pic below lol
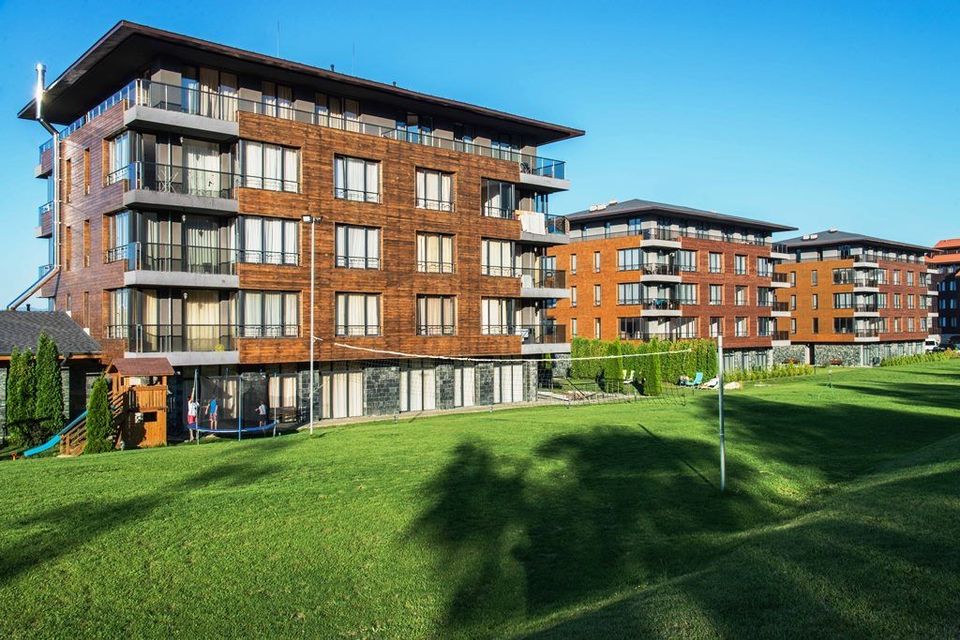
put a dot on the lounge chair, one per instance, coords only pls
(696, 382)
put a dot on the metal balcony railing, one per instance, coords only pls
(151, 256)
(660, 269)
(289, 330)
(676, 334)
(433, 266)
(778, 277)
(436, 329)
(357, 262)
(165, 338)
(354, 330)
(779, 306)
(866, 306)
(166, 178)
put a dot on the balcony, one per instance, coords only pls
(779, 338)
(163, 265)
(535, 282)
(660, 308)
(867, 260)
(660, 272)
(779, 251)
(659, 237)
(182, 188)
(436, 329)
(646, 336)
(45, 220)
(866, 285)
(181, 344)
(780, 280)
(542, 228)
(545, 337)
(357, 330)
(779, 309)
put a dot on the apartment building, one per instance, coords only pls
(858, 299)
(945, 261)
(641, 269)
(194, 185)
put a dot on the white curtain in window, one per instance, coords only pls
(252, 313)
(272, 240)
(340, 177)
(357, 247)
(269, 98)
(351, 114)
(252, 240)
(468, 385)
(272, 312)
(373, 314)
(284, 102)
(272, 159)
(253, 164)
(339, 392)
(291, 170)
(290, 247)
(355, 393)
(373, 181)
(228, 96)
(291, 313)
(429, 388)
(355, 175)
(203, 164)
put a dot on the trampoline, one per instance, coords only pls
(238, 431)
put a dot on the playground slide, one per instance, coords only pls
(40, 448)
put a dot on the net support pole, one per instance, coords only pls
(313, 250)
(723, 444)
(240, 404)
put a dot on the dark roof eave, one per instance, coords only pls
(124, 29)
(797, 243)
(678, 211)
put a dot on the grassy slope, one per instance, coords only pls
(592, 521)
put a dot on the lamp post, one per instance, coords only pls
(313, 250)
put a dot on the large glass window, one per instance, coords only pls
(436, 315)
(497, 316)
(628, 293)
(356, 179)
(498, 258)
(687, 260)
(119, 157)
(357, 247)
(268, 240)
(270, 314)
(499, 199)
(269, 166)
(358, 314)
(687, 293)
(434, 190)
(628, 259)
(435, 253)
(716, 262)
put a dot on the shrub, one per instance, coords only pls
(21, 393)
(99, 420)
(48, 411)
(612, 367)
(918, 358)
(776, 371)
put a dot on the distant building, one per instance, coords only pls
(945, 259)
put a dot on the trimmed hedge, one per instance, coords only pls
(777, 371)
(652, 370)
(98, 419)
(919, 358)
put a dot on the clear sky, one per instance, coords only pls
(832, 114)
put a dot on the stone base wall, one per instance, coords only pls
(444, 387)
(793, 352)
(483, 384)
(849, 355)
(381, 386)
(531, 378)
(561, 365)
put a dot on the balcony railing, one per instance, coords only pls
(268, 331)
(357, 262)
(499, 212)
(676, 334)
(778, 247)
(663, 233)
(530, 276)
(866, 306)
(866, 282)
(656, 268)
(164, 338)
(544, 333)
(150, 256)
(432, 266)
(436, 329)
(867, 333)
(434, 205)
(166, 178)
(44, 210)
(356, 195)
(354, 330)
(778, 277)
(658, 304)
(259, 256)
(779, 306)
(780, 335)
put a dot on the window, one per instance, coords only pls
(268, 240)
(573, 264)
(793, 326)
(435, 253)
(499, 199)
(277, 100)
(793, 302)
(596, 262)
(896, 276)
(358, 314)
(815, 300)
(842, 300)
(118, 313)
(716, 294)
(793, 278)
(596, 295)
(910, 324)
(118, 155)
(909, 278)
(627, 293)
(628, 259)
(596, 328)
(764, 267)
(813, 277)
(896, 301)
(740, 327)
(269, 166)
(86, 172)
(357, 247)
(86, 244)
(740, 265)
(816, 325)
(716, 327)
(67, 179)
(881, 300)
(764, 297)
(740, 296)
(356, 179)
(434, 190)
(269, 314)
(337, 113)
(573, 296)
(687, 293)
(573, 327)
(910, 301)
(687, 260)
(436, 315)
(716, 262)
(67, 247)
(498, 258)
(497, 316)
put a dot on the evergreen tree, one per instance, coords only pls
(612, 367)
(20, 399)
(48, 411)
(98, 419)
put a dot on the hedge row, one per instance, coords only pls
(937, 356)
(777, 371)
(698, 355)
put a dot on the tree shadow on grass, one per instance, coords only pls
(60, 530)
(591, 513)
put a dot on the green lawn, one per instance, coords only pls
(842, 519)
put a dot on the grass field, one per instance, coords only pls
(842, 519)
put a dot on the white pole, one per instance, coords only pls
(313, 249)
(723, 446)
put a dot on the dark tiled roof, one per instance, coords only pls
(141, 367)
(20, 329)
(628, 207)
(830, 238)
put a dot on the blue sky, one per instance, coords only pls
(833, 114)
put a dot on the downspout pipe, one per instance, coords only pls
(54, 159)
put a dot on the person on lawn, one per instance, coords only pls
(193, 410)
(262, 412)
(212, 409)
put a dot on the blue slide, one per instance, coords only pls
(40, 448)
